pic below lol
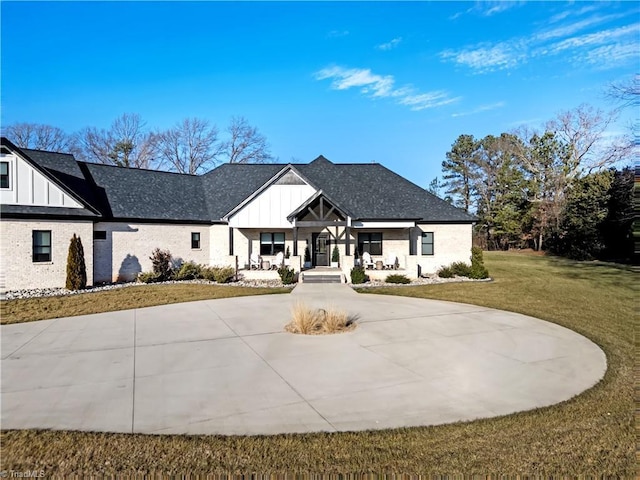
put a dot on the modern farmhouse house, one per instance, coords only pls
(224, 217)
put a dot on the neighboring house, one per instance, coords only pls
(219, 218)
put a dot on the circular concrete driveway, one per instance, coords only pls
(226, 367)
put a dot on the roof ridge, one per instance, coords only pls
(141, 169)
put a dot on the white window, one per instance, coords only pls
(5, 175)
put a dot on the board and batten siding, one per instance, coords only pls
(270, 208)
(27, 186)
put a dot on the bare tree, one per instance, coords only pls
(126, 144)
(625, 93)
(246, 144)
(39, 136)
(192, 146)
(583, 131)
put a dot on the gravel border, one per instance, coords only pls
(428, 280)
(61, 292)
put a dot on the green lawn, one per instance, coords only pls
(592, 434)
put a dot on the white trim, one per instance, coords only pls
(283, 171)
(388, 224)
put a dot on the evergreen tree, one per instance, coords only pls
(617, 228)
(458, 170)
(578, 235)
(76, 269)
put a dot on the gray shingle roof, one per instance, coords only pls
(367, 191)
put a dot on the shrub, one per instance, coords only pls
(397, 278)
(287, 253)
(478, 270)
(147, 277)
(218, 274)
(445, 272)
(307, 255)
(161, 260)
(460, 269)
(224, 274)
(287, 275)
(335, 255)
(189, 271)
(76, 269)
(358, 275)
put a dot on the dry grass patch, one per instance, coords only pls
(307, 321)
(30, 309)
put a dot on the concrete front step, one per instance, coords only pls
(330, 278)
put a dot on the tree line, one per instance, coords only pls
(556, 189)
(193, 145)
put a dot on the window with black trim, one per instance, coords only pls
(271, 243)
(195, 240)
(99, 234)
(370, 242)
(427, 243)
(5, 173)
(41, 245)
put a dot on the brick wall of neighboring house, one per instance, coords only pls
(19, 271)
(126, 250)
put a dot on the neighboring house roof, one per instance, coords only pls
(366, 191)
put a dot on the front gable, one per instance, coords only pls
(270, 205)
(30, 187)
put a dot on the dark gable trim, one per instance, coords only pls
(160, 221)
(17, 151)
(49, 216)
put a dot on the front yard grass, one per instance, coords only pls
(29, 309)
(590, 435)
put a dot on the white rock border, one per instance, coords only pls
(429, 280)
(60, 292)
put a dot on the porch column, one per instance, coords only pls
(230, 240)
(347, 239)
(295, 241)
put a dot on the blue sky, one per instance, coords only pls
(394, 83)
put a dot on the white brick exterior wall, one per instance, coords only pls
(451, 243)
(128, 246)
(16, 253)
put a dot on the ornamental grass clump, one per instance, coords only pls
(306, 321)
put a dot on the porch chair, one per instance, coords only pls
(255, 262)
(367, 261)
(279, 261)
(390, 262)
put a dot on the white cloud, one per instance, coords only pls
(488, 8)
(382, 86)
(573, 12)
(487, 57)
(483, 58)
(480, 109)
(337, 33)
(390, 45)
(597, 38)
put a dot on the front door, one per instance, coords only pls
(321, 249)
